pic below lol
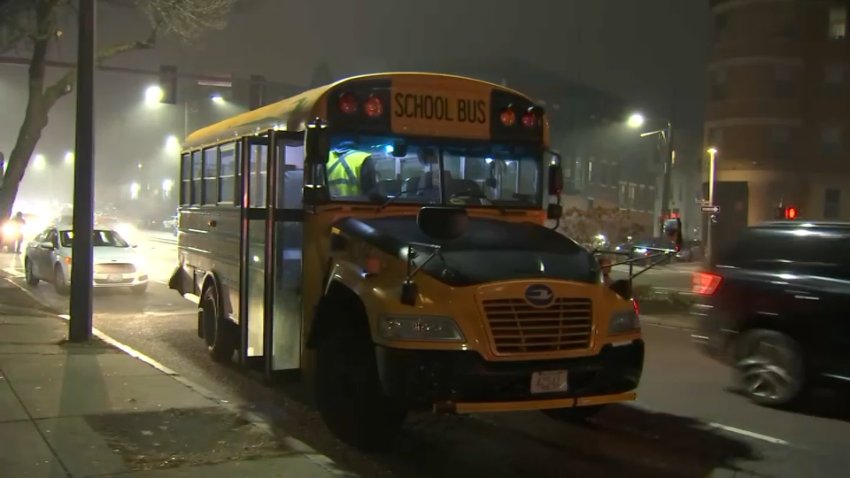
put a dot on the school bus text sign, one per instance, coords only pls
(463, 113)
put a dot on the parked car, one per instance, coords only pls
(116, 262)
(774, 305)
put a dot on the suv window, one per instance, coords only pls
(769, 246)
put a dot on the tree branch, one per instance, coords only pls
(65, 84)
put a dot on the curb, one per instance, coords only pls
(310, 453)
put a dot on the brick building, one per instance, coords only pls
(779, 109)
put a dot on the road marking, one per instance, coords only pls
(13, 272)
(747, 433)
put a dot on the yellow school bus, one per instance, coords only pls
(386, 237)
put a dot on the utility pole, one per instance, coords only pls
(80, 325)
(668, 171)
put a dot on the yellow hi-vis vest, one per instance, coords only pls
(344, 173)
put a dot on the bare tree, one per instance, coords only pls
(32, 26)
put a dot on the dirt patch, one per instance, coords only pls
(172, 438)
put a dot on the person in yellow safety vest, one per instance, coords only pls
(350, 172)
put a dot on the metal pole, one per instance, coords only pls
(668, 171)
(80, 325)
(708, 245)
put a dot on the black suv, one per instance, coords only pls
(775, 305)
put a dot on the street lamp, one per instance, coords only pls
(167, 185)
(172, 145)
(153, 95)
(712, 156)
(635, 121)
(39, 162)
(217, 98)
(134, 190)
(69, 158)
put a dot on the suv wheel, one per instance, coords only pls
(769, 367)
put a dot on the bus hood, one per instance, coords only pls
(490, 250)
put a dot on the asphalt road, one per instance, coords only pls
(686, 422)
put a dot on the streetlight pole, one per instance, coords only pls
(668, 172)
(80, 324)
(712, 155)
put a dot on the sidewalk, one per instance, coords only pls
(86, 410)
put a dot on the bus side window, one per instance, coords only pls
(258, 157)
(292, 177)
(210, 175)
(197, 169)
(186, 180)
(228, 172)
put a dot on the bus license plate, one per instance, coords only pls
(549, 381)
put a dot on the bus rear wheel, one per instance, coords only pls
(219, 333)
(349, 394)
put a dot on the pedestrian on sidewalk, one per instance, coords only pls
(18, 238)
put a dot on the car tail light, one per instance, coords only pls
(67, 260)
(705, 283)
(374, 107)
(529, 120)
(508, 117)
(636, 306)
(348, 103)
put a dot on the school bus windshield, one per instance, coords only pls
(410, 171)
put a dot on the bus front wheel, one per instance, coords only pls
(219, 333)
(349, 394)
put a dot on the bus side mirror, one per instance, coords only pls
(442, 223)
(316, 141)
(556, 179)
(554, 211)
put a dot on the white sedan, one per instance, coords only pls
(116, 262)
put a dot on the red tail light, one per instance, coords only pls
(636, 306)
(529, 120)
(705, 283)
(508, 117)
(348, 103)
(374, 107)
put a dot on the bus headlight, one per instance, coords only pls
(419, 327)
(623, 321)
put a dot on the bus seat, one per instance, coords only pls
(459, 186)
(410, 185)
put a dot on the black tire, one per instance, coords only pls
(139, 289)
(769, 368)
(220, 334)
(29, 274)
(349, 394)
(59, 283)
(575, 414)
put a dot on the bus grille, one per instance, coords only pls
(114, 268)
(517, 327)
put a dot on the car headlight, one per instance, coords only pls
(419, 327)
(10, 229)
(623, 321)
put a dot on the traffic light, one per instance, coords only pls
(256, 92)
(168, 84)
(791, 213)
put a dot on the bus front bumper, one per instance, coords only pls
(463, 382)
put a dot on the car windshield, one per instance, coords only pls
(375, 169)
(100, 238)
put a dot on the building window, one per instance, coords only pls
(831, 140)
(831, 203)
(718, 85)
(780, 136)
(783, 82)
(838, 22)
(833, 79)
